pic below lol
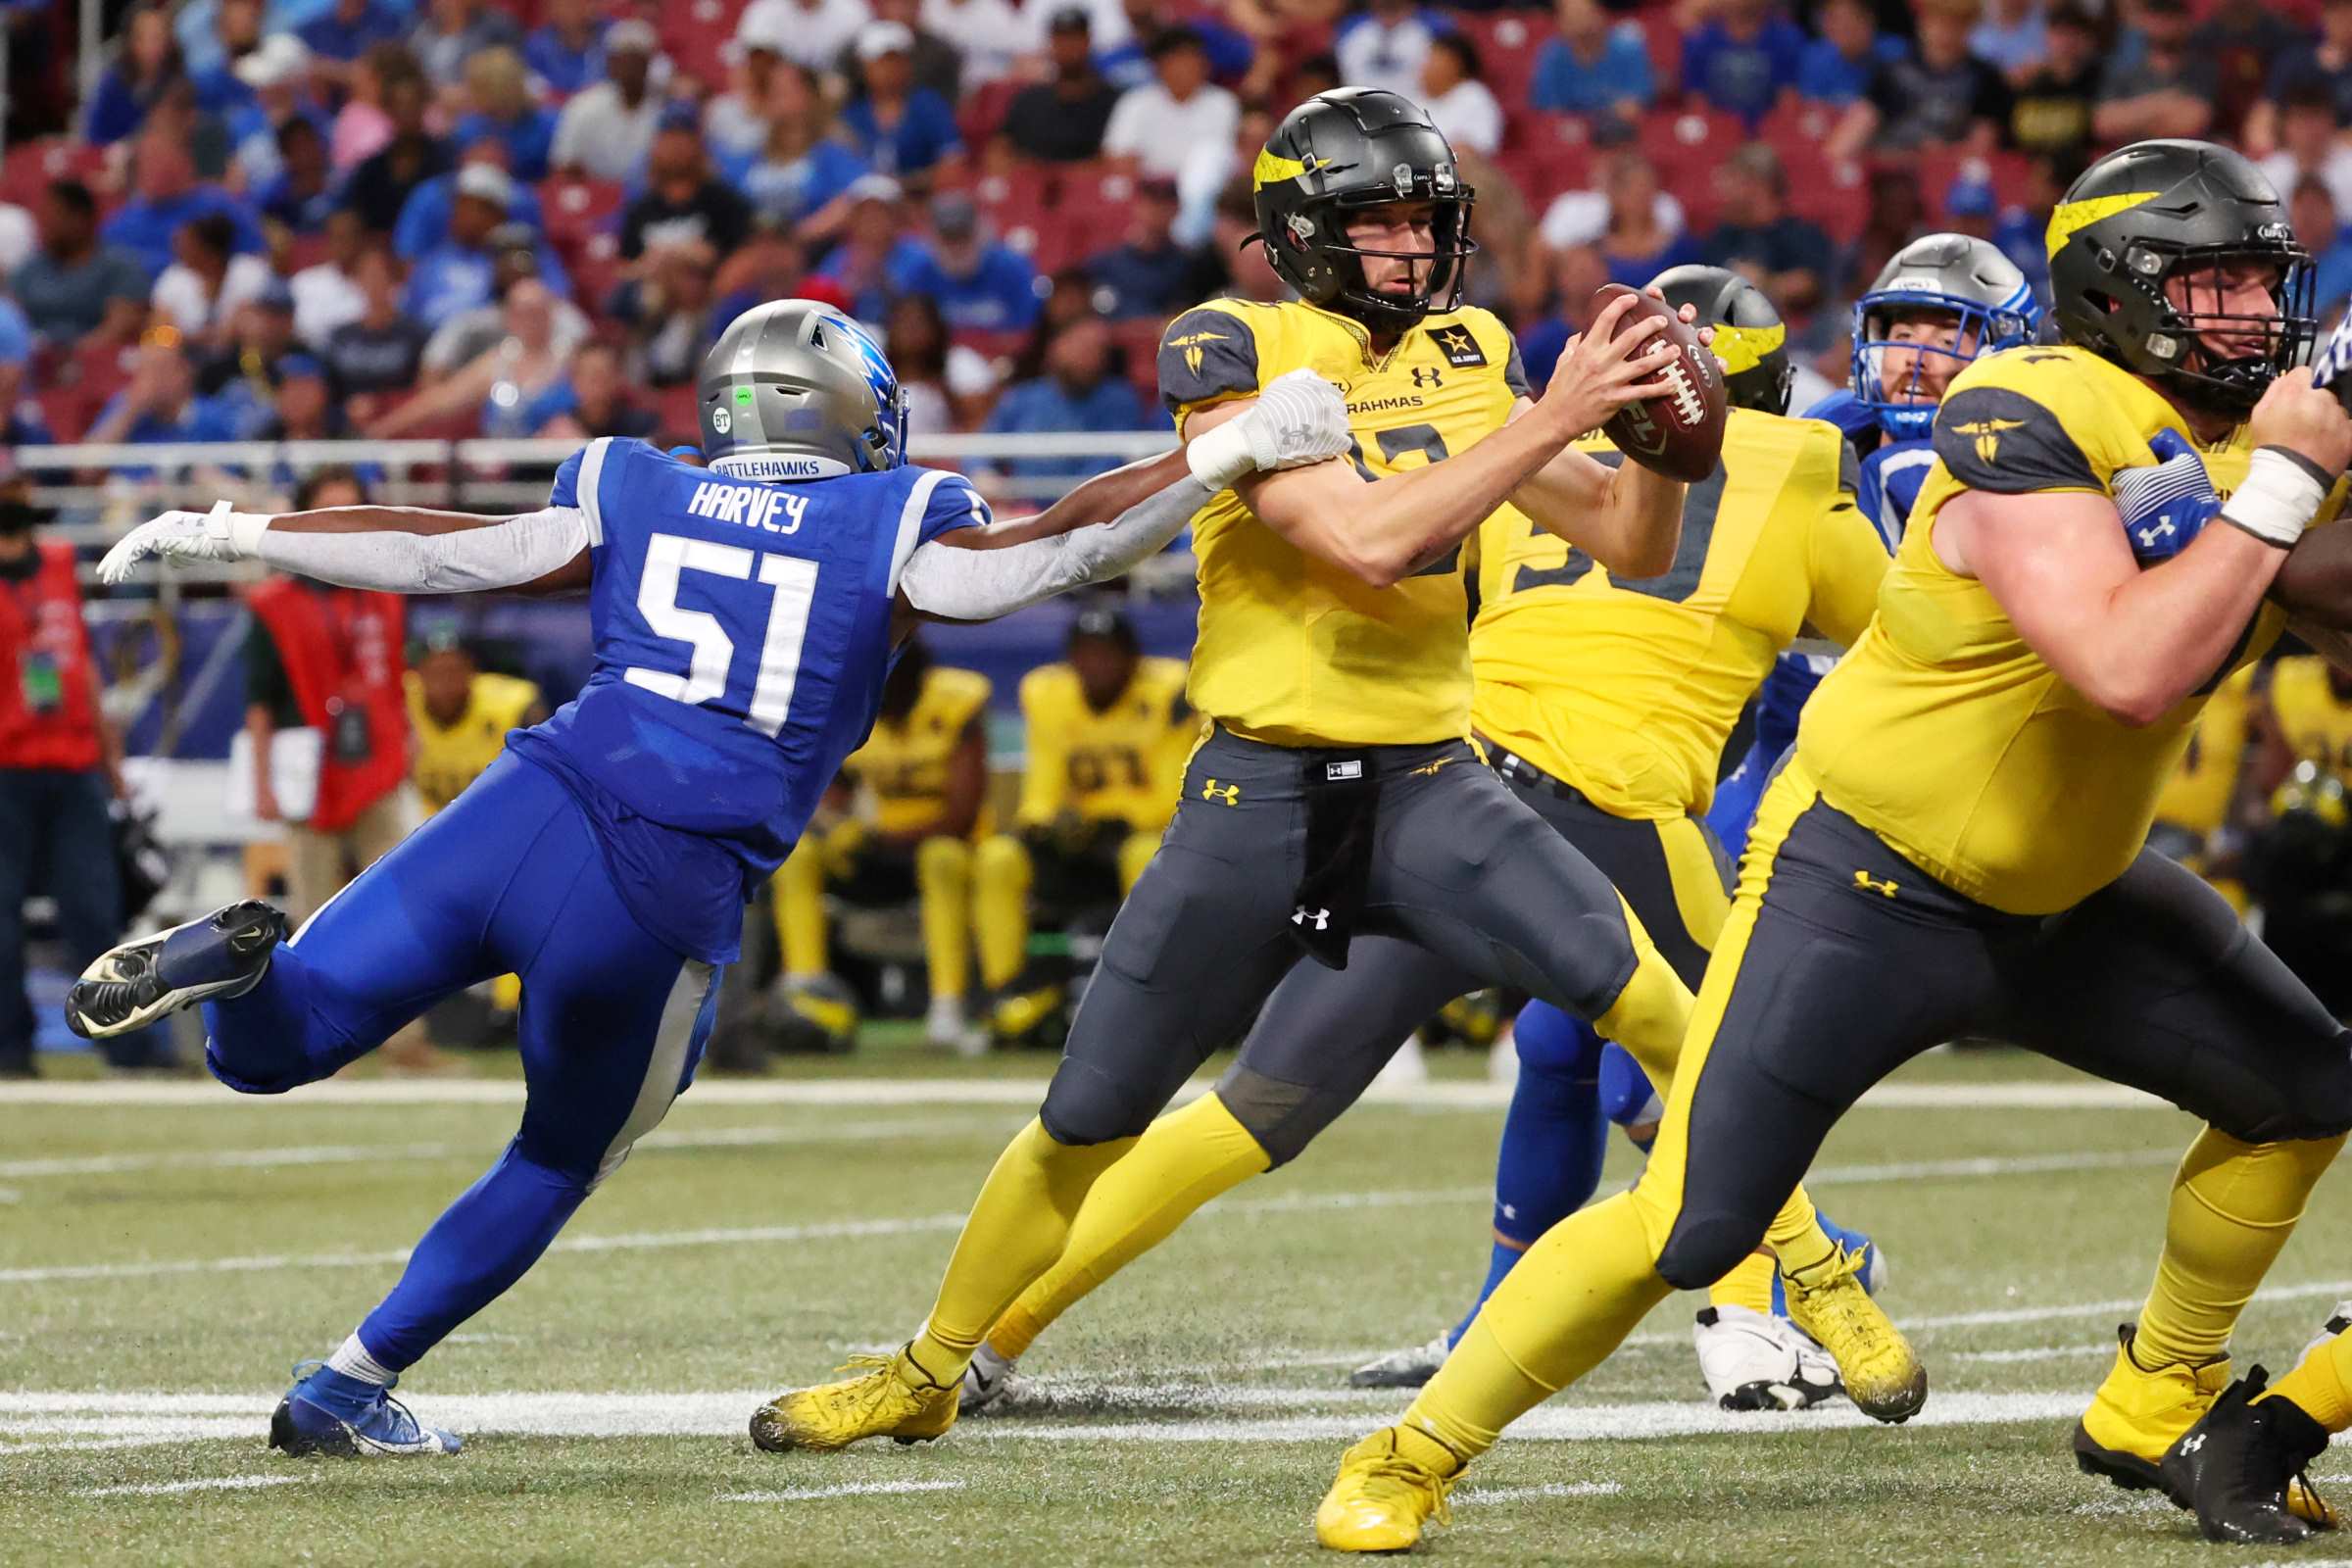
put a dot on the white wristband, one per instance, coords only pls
(1232, 451)
(245, 532)
(2280, 494)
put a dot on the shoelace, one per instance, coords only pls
(1408, 1477)
(406, 1429)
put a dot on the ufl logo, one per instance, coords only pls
(721, 421)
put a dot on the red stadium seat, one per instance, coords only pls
(679, 415)
(983, 109)
(1664, 35)
(695, 34)
(1553, 154)
(1507, 43)
(30, 165)
(66, 412)
(578, 209)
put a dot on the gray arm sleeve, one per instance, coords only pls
(982, 584)
(501, 554)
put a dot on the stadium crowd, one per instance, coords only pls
(302, 218)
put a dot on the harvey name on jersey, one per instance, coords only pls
(741, 633)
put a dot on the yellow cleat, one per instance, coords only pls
(1382, 1497)
(2140, 1411)
(1881, 1372)
(890, 1396)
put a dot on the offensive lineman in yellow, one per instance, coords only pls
(922, 776)
(1338, 792)
(1603, 702)
(1956, 847)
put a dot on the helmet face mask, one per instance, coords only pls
(1949, 280)
(2281, 338)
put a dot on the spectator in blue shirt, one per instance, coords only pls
(501, 95)
(566, 51)
(276, 79)
(1080, 391)
(22, 422)
(1129, 64)
(147, 61)
(1577, 274)
(1742, 59)
(803, 170)
(457, 274)
(2319, 226)
(1148, 274)
(1837, 67)
(1593, 66)
(159, 405)
(876, 249)
(424, 217)
(1790, 259)
(213, 33)
(303, 193)
(167, 195)
(350, 29)
(899, 127)
(981, 285)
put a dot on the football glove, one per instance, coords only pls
(2167, 504)
(213, 535)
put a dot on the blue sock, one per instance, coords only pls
(1851, 1241)
(1553, 1138)
(482, 1244)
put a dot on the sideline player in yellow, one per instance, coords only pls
(2307, 717)
(1603, 702)
(1337, 791)
(1108, 731)
(921, 779)
(1956, 847)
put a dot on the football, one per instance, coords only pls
(1679, 434)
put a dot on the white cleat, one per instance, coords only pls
(945, 1028)
(2340, 1318)
(987, 1378)
(1402, 1369)
(1751, 1361)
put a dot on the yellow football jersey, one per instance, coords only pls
(2197, 795)
(1124, 763)
(2315, 723)
(904, 763)
(1295, 651)
(448, 758)
(1943, 731)
(1628, 690)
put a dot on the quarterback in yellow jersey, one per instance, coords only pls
(1602, 700)
(918, 784)
(1337, 793)
(1956, 847)
(461, 718)
(1108, 731)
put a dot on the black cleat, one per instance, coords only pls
(2236, 1464)
(223, 954)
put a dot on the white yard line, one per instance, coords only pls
(846, 1489)
(166, 1489)
(1463, 1094)
(1550, 1489)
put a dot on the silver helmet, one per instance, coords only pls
(796, 390)
(1992, 305)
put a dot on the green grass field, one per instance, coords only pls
(166, 1254)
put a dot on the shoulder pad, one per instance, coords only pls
(1208, 355)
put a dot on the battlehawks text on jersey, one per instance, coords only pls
(1943, 731)
(1292, 650)
(741, 633)
(1628, 689)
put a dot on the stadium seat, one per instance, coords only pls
(31, 165)
(1552, 154)
(1507, 43)
(983, 109)
(577, 209)
(695, 34)
(1664, 35)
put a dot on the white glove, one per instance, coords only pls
(221, 534)
(1299, 418)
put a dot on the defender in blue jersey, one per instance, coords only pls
(745, 616)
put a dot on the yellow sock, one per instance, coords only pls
(1748, 1285)
(1019, 1225)
(1001, 878)
(2320, 1385)
(1570, 1301)
(506, 993)
(800, 887)
(942, 881)
(1184, 1160)
(1650, 1014)
(2234, 1207)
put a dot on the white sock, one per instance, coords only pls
(354, 1361)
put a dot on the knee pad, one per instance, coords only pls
(1627, 1096)
(1282, 1117)
(1702, 1248)
(1084, 1105)
(1555, 1043)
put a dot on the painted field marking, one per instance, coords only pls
(166, 1489)
(1549, 1489)
(845, 1489)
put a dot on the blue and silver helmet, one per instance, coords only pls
(796, 390)
(1954, 275)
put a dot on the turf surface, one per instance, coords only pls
(164, 1257)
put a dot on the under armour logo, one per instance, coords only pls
(2149, 536)
(1303, 914)
(2194, 1444)
(1871, 884)
(1426, 376)
(1225, 794)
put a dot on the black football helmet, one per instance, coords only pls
(1344, 149)
(2159, 210)
(1749, 337)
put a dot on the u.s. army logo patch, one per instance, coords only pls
(1459, 346)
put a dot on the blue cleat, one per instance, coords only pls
(327, 1412)
(223, 954)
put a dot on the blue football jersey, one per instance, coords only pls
(1890, 484)
(742, 634)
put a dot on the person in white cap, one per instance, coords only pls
(901, 128)
(605, 130)
(279, 72)
(811, 32)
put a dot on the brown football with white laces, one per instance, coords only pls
(1678, 433)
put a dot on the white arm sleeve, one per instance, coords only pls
(982, 584)
(501, 554)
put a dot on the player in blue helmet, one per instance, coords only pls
(1939, 303)
(743, 614)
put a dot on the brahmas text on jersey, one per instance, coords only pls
(1943, 731)
(453, 756)
(1628, 689)
(742, 632)
(904, 764)
(1124, 763)
(1292, 650)
(2313, 720)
